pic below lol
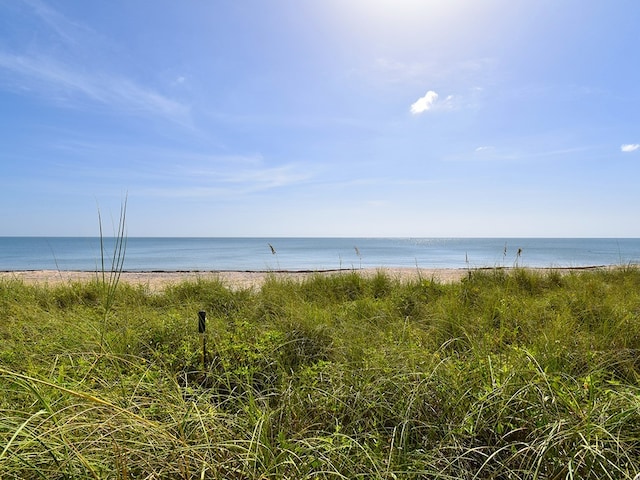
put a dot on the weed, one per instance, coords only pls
(109, 278)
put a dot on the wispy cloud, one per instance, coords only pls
(629, 147)
(484, 148)
(62, 73)
(247, 177)
(394, 71)
(431, 101)
(64, 84)
(387, 70)
(64, 28)
(226, 184)
(148, 170)
(270, 177)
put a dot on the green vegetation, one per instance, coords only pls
(504, 375)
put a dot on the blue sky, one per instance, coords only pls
(321, 118)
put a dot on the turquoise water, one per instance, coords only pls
(171, 254)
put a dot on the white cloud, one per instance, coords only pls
(484, 148)
(432, 101)
(629, 147)
(425, 103)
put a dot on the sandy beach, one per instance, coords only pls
(234, 279)
(156, 281)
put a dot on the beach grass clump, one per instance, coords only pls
(507, 374)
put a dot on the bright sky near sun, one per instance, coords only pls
(321, 117)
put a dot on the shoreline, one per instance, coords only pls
(156, 280)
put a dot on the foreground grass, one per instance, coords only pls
(503, 375)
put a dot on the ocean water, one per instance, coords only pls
(175, 254)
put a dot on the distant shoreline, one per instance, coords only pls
(158, 279)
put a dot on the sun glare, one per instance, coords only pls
(406, 25)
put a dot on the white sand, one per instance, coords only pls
(155, 281)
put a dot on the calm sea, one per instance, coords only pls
(171, 254)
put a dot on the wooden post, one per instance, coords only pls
(202, 326)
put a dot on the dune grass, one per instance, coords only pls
(504, 375)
